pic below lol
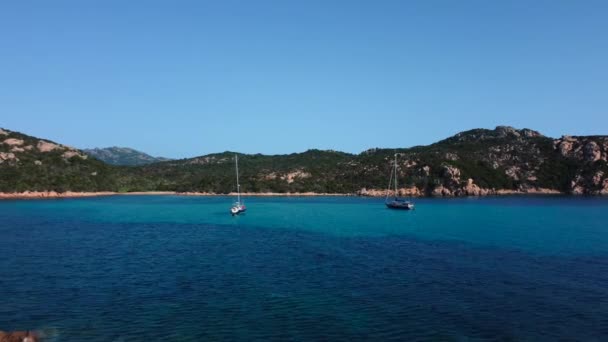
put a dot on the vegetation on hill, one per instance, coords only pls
(32, 164)
(123, 156)
(474, 162)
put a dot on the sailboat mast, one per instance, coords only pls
(395, 175)
(238, 186)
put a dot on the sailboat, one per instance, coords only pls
(396, 203)
(238, 206)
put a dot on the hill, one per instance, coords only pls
(123, 156)
(32, 164)
(476, 162)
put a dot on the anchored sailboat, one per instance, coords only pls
(237, 207)
(396, 203)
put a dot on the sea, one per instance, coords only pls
(179, 268)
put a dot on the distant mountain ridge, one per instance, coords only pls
(496, 161)
(123, 156)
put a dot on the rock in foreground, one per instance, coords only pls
(18, 336)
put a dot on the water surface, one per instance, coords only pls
(181, 268)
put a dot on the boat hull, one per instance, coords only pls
(400, 205)
(237, 210)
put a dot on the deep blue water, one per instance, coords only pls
(138, 268)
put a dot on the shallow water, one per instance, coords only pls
(181, 268)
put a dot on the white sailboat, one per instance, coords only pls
(396, 203)
(238, 206)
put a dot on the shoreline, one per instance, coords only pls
(73, 194)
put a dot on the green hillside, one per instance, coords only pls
(475, 162)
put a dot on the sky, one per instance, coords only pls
(186, 78)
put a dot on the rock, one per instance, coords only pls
(440, 190)
(568, 138)
(17, 149)
(7, 156)
(45, 146)
(18, 336)
(3, 132)
(597, 178)
(292, 176)
(37, 162)
(592, 152)
(472, 189)
(452, 172)
(426, 170)
(578, 190)
(451, 156)
(73, 153)
(529, 133)
(409, 164)
(604, 189)
(504, 131)
(407, 192)
(576, 186)
(513, 172)
(13, 142)
(565, 147)
(372, 193)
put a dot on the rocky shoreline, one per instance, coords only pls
(404, 192)
(52, 194)
(470, 190)
(72, 194)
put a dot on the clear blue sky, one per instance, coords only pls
(185, 78)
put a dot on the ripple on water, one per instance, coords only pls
(112, 281)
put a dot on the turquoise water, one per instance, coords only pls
(181, 268)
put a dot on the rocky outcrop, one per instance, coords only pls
(565, 146)
(13, 142)
(500, 132)
(597, 178)
(592, 152)
(10, 157)
(472, 189)
(73, 153)
(45, 146)
(513, 172)
(441, 191)
(292, 176)
(452, 173)
(590, 155)
(604, 188)
(587, 149)
(19, 336)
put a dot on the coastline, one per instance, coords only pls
(373, 194)
(73, 194)
(52, 194)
